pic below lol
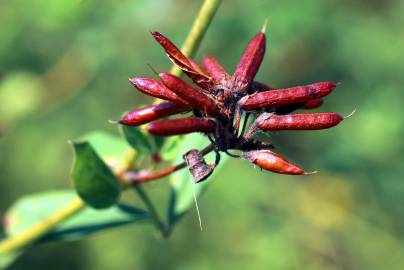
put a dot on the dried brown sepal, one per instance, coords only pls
(273, 162)
(249, 63)
(216, 70)
(153, 112)
(179, 59)
(304, 121)
(181, 126)
(194, 97)
(155, 89)
(197, 165)
(275, 98)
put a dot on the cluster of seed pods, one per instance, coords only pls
(219, 103)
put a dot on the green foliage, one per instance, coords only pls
(137, 139)
(32, 209)
(94, 182)
(63, 73)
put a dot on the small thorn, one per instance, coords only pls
(349, 115)
(338, 83)
(310, 173)
(265, 26)
(153, 70)
(69, 141)
(113, 121)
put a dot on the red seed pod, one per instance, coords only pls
(196, 67)
(181, 126)
(156, 89)
(304, 121)
(312, 104)
(216, 70)
(194, 97)
(275, 98)
(270, 161)
(249, 62)
(153, 112)
(185, 64)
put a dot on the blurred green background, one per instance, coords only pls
(64, 67)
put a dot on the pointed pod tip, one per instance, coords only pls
(115, 122)
(351, 114)
(310, 173)
(264, 26)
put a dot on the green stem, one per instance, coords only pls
(152, 210)
(36, 231)
(198, 30)
(40, 229)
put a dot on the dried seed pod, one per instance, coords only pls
(156, 89)
(181, 126)
(185, 64)
(270, 161)
(216, 70)
(286, 96)
(196, 67)
(197, 165)
(304, 121)
(197, 99)
(312, 104)
(153, 112)
(249, 62)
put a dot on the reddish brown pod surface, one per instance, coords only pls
(153, 112)
(181, 126)
(274, 98)
(155, 89)
(249, 63)
(312, 104)
(194, 97)
(216, 70)
(304, 121)
(189, 67)
(270, 161)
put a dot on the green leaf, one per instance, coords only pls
(8, 258)
(170, 148)
(35, 208)
(93, 180)
(181, 198)
(137, 139)
(107, 146)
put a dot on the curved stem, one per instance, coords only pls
(38, 230)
